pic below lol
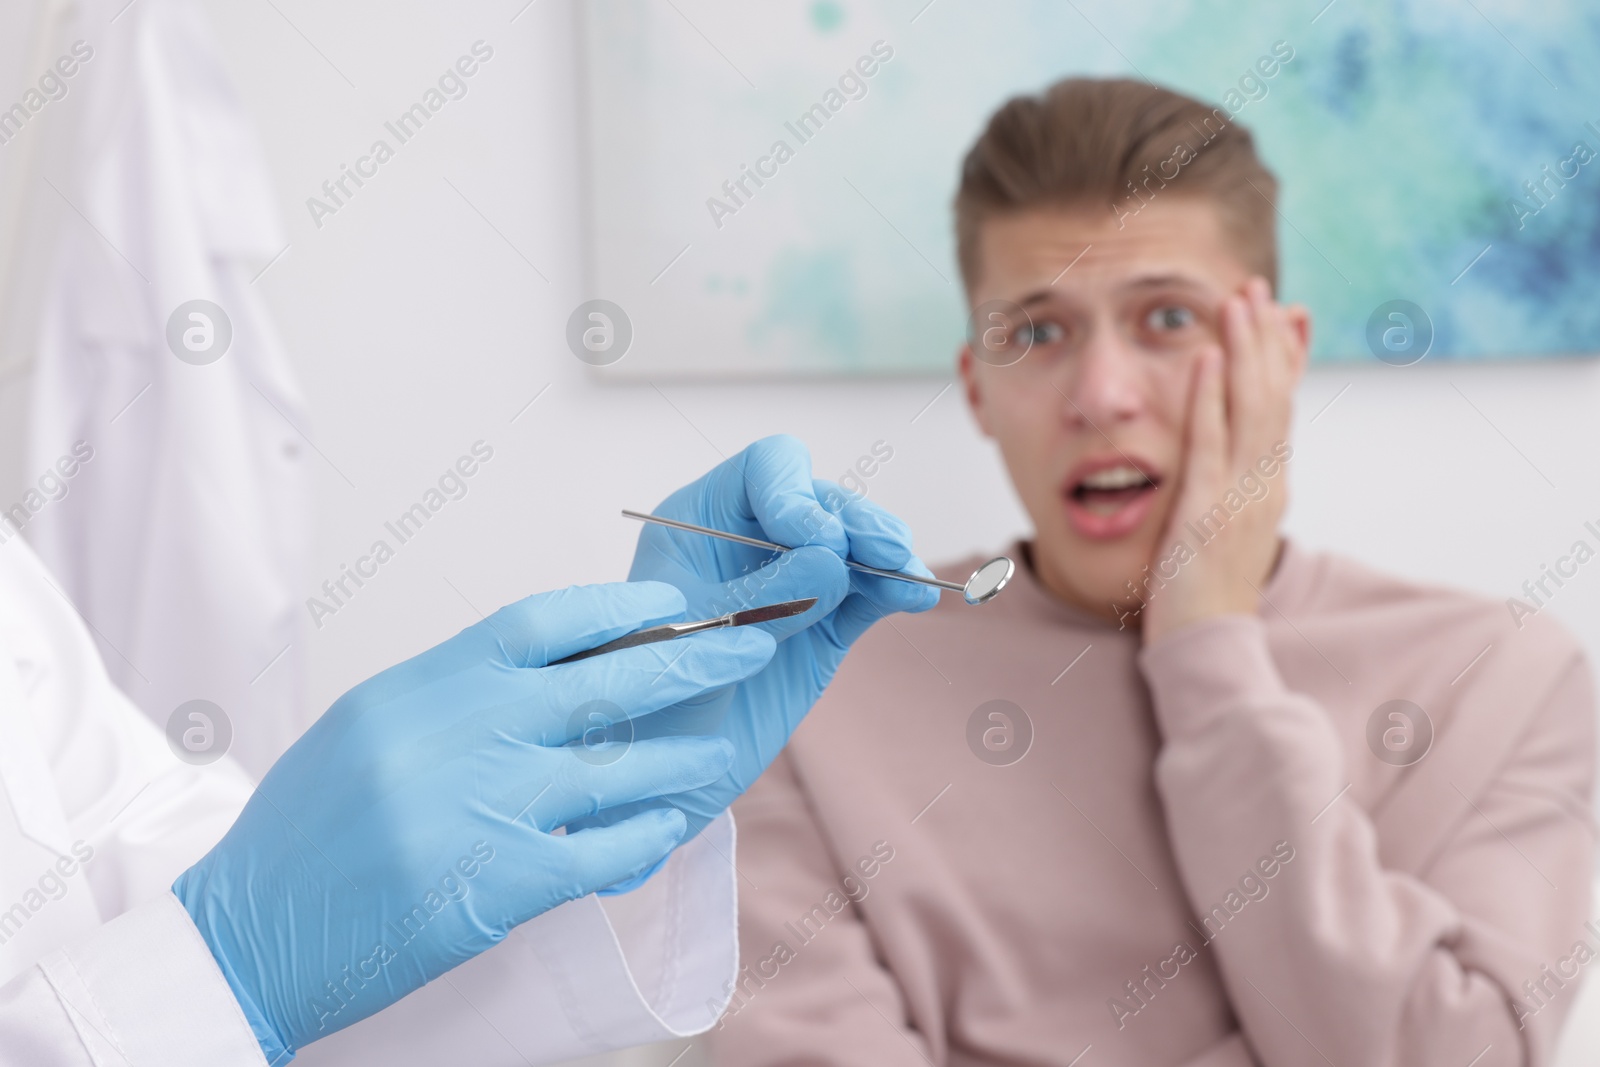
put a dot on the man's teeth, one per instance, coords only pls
(1124, 477)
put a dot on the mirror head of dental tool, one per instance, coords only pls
(984, 585)
(987, 581)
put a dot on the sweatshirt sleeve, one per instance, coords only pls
(1332, 957)
(804, 996)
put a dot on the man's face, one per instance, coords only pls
(1092, 421)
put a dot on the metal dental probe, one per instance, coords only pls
(984, 585)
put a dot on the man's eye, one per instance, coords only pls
(1041, 333)
(1172, 317)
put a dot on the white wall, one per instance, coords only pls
(417, 330)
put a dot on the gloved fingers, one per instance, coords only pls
(688, 718)
(589, 860)
(782, 498)
(689, 805)
(765, 491)
(854, 617)
(694, 563)
(547, 626)
(879, 538)
(889, 595)
(638, 681)
(595, 774)
(811, 571)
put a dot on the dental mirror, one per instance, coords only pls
(984, 585)
(987, 581)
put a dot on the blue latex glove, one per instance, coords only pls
(767, 491)
(408, 830)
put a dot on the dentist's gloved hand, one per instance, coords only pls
(409, 829)
(767, 491)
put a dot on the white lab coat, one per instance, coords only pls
(183, 540)
(101, 964)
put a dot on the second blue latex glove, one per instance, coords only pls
(767, 492)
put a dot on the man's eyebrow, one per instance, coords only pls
(1146, 281)
(1153, 281)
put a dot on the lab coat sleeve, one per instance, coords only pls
(140, 990)
(86, 775)
(588, 977)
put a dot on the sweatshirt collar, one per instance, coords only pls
(1286, 586)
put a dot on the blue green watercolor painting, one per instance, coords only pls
(769, 184)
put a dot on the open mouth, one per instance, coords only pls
(1110, 498)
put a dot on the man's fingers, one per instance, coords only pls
(1208, 423)
(1243, 363)
(1278, 373)
(1264, 399)
(1264, 391)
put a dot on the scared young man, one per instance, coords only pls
(1186, 793)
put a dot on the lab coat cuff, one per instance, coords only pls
(1208, 669)
(144, 989)
(590, 976)
(679, 947)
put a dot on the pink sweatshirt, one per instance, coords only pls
(1200, 858)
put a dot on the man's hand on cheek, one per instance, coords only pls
(1222, 534)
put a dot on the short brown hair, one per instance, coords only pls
(1108, 143)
